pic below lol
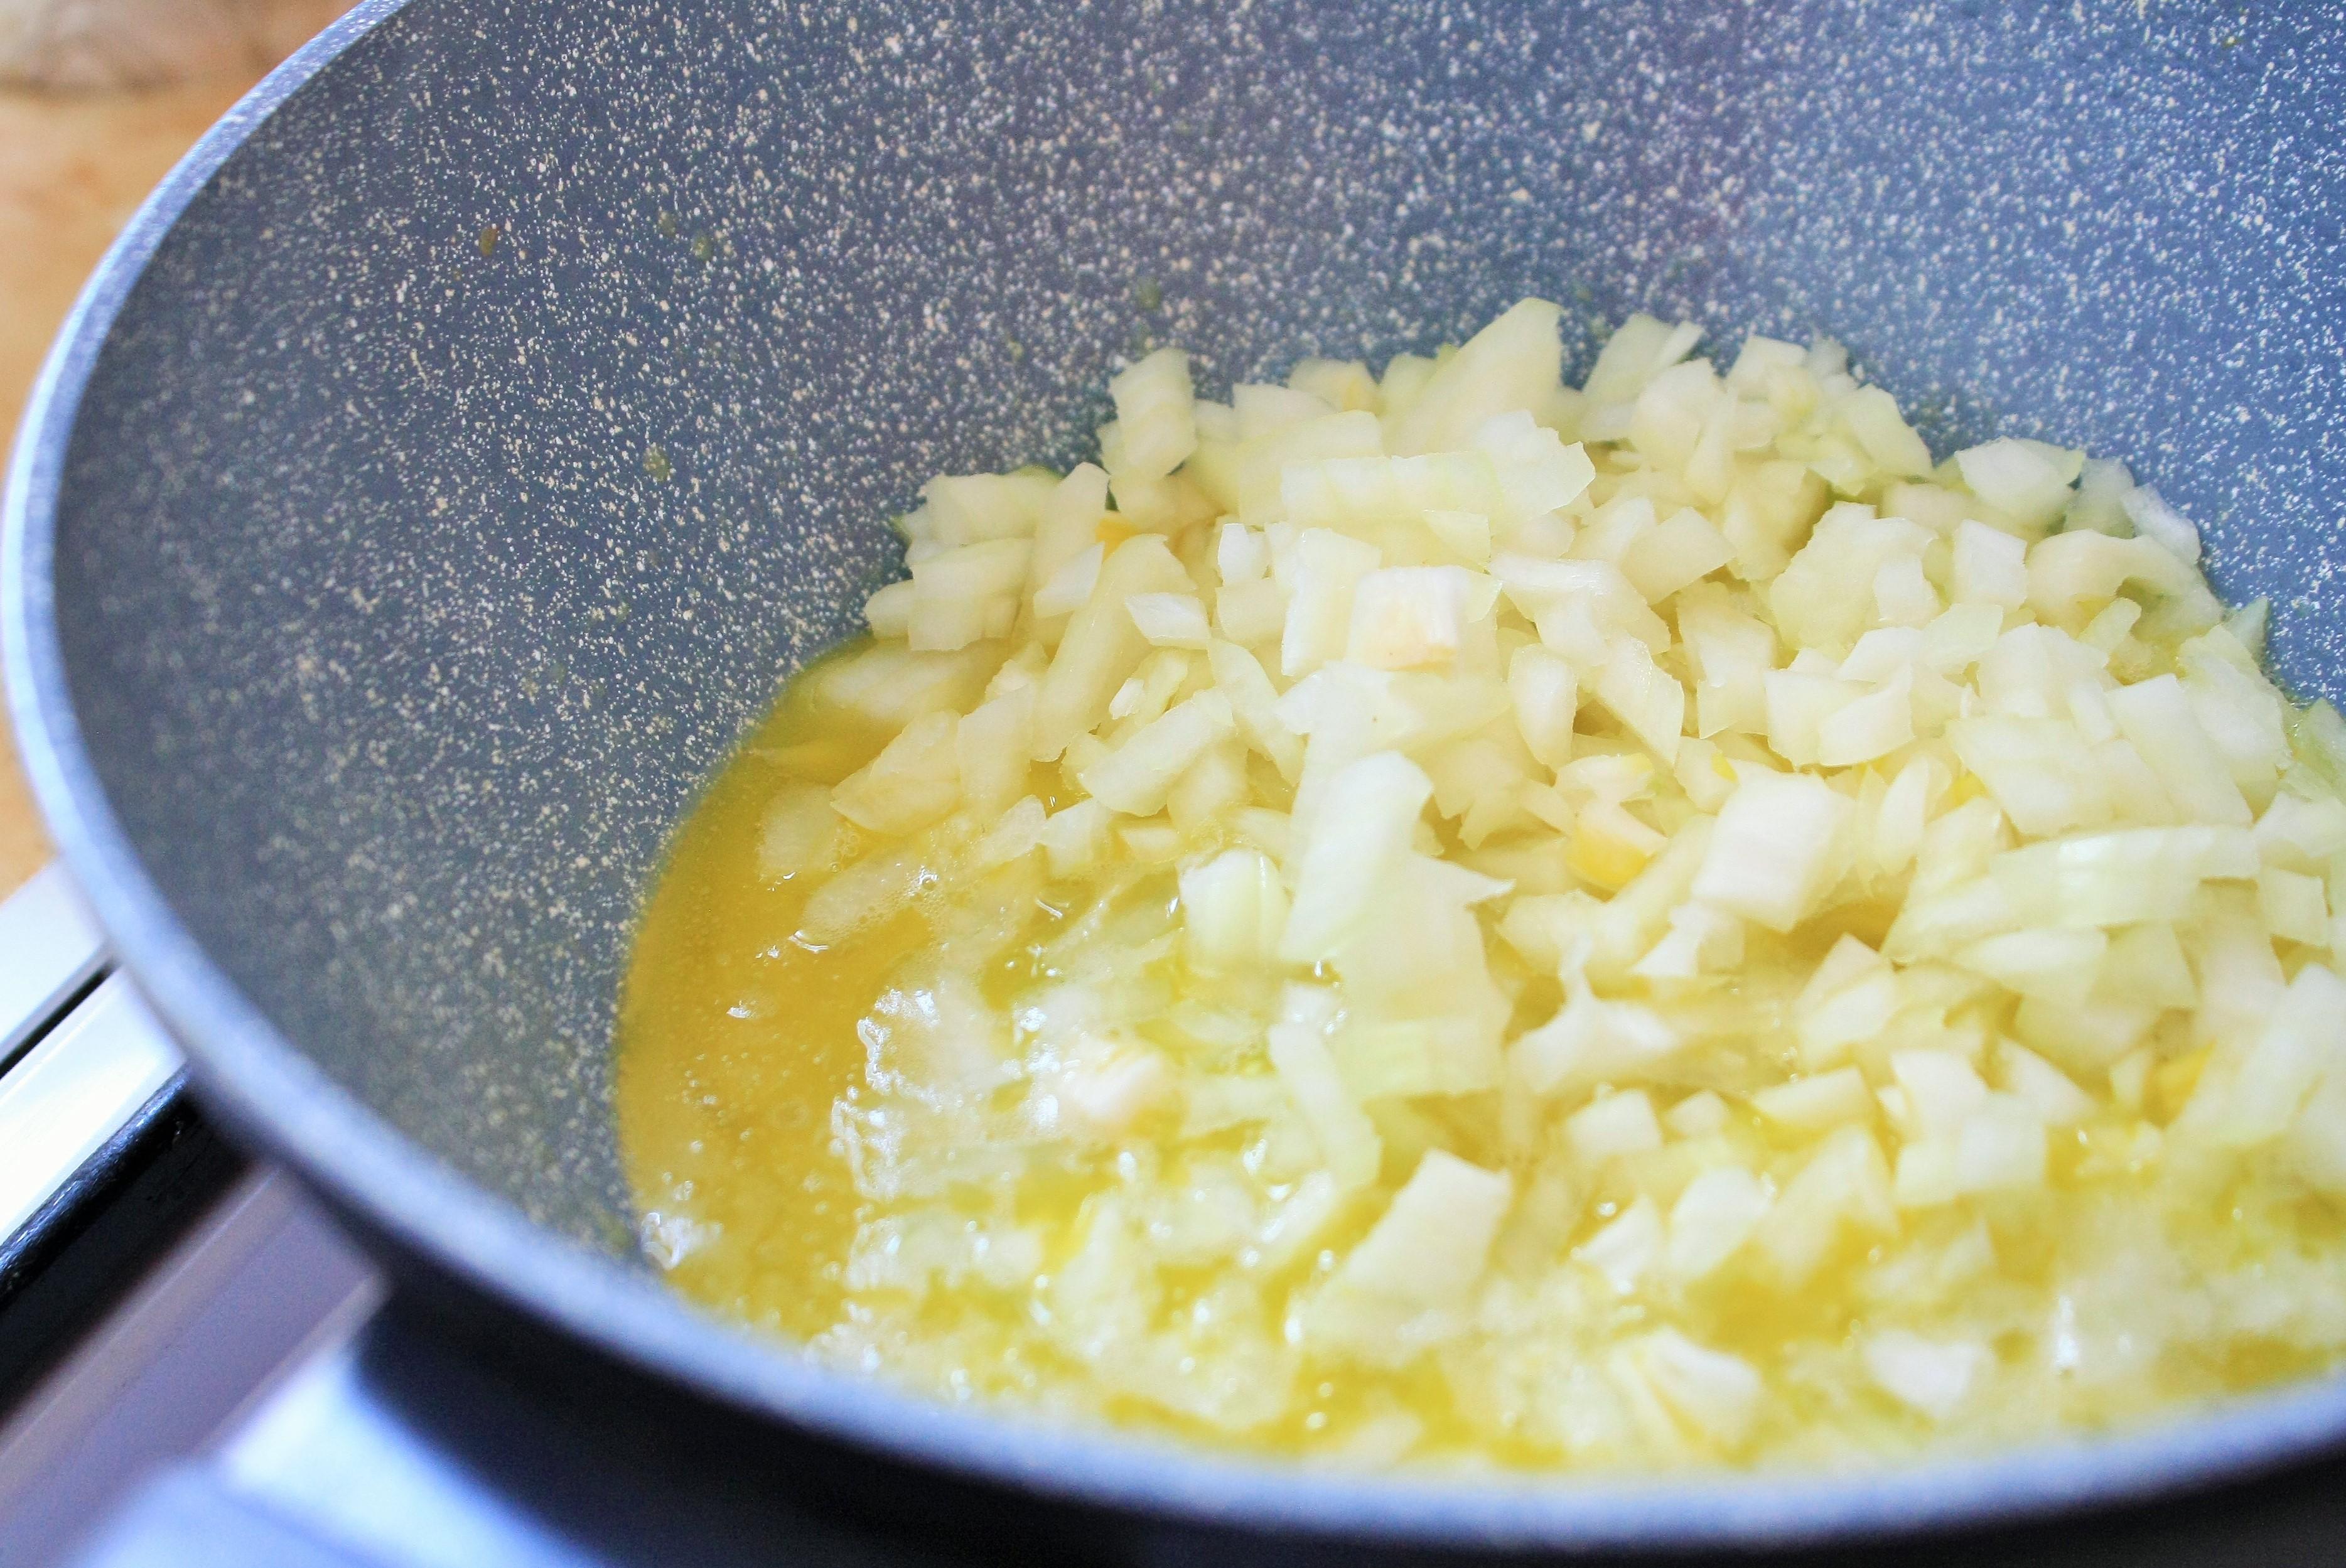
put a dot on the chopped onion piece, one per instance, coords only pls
(1767, 860)
(1925, 1375)
(1712, 1218)
(2160, 523)
(1170, 620)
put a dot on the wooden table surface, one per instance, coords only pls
(73, 168)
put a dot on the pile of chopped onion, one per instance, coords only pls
(1492, 922)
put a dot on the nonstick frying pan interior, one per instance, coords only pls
(524, 398)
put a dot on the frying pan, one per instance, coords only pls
(457, 452)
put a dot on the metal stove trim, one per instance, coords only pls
(53, 951)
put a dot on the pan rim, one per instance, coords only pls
(274, 1093)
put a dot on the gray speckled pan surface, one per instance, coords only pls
(408, 579)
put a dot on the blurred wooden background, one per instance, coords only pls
(77, 154)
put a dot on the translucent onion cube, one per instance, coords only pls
(1930, 1376)
(1768, 856)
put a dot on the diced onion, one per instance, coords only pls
(1437, 912)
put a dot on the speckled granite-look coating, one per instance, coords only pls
(525, 398)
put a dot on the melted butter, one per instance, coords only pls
(743, 1051)
(734, 1039)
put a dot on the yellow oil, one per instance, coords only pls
(733, 1041)
(738, 1046)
